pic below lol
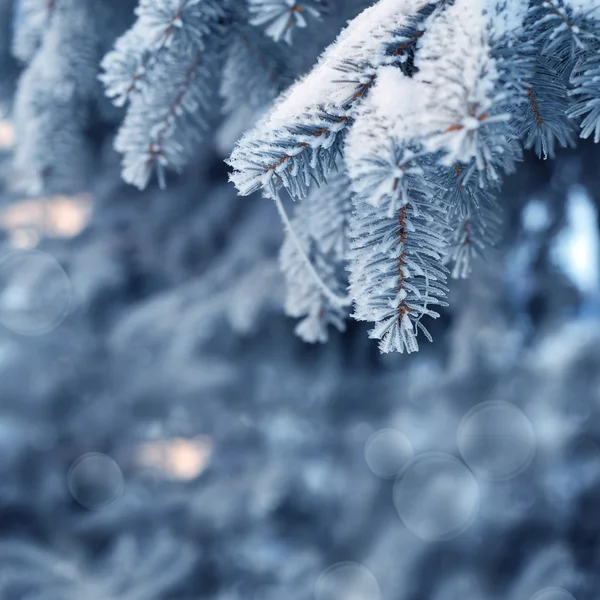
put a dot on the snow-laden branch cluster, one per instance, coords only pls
(430, 103)
(164, 68)
(59, 45)
(161, 67)
(322, 224)
(154, 66)
(301, 137)
(405, 127)
(281, 17)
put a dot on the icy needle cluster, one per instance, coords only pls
(429, 104)
(397, 139)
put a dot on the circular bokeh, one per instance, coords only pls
(347, 581)
(387, 452)
(35, 292)
(437, 497)
(496, 440)
(95, 480)
(552, 593)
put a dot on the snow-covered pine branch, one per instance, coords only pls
(460, 112)
(430, 104)
(300, 139)
(281, 17)
(30, 21)
(469, 89)
(166, 65)
(63, 42)
(568, 41)
(397, 154)
(321, 222)
(161, 66)
(396, 275)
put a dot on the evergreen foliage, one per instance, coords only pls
(397, 156)
(431, 104)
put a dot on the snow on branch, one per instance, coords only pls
(396, 275)
(563, 28)
(321, 224)
(461, 112)
(396, 248)
(31, 20)
(161, 128)
(381, 147)
(58, 90)
(283, 16)
(422, 105)
(165, 30)
(302, 135)
(161, 66)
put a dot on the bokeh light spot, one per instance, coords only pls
(387, 452)
(437, 497)
(552, 593)
(347, 581)
(496, 440)
(95, 480)
(35, 292)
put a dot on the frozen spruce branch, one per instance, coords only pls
(60, 45)
(564, 28)
(396, 275)
(155, 66)
(321, 221)
(31, 19)
(281, 17)
(423, 105)
(460, 113)
(161, 67)
(301, 137)
(430, 104)
(166, 66)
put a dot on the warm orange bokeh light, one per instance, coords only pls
(57, 216)
(7, 135)
(179, 458)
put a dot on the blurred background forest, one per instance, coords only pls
(164, 435)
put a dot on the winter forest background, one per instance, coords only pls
(166, 434)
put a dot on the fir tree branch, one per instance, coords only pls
(302, 135)
(32, 20)
(321, 225)
(161, 67)
(283, 16)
